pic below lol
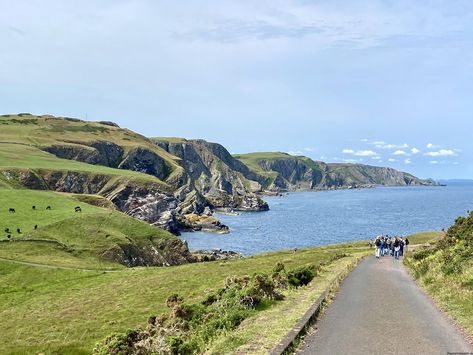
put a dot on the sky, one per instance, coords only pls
(378, 82)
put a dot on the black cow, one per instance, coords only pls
(36, 226)
(48, 208)
(33, 207)
(7, 230)
(18, 230)
(78, 209)
(9, 236)
(11, 210)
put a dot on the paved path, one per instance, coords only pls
(380, 310)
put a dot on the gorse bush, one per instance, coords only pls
(189, 328)
(301, 276)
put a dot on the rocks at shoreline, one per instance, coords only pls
(215, 254)
(206, 223)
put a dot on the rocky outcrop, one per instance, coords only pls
(98, 153)
(167, 252)
(202, 222)
(145, 161)
(215, 254)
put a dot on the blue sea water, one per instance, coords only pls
(305, 219)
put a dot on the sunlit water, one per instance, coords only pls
(316, 218)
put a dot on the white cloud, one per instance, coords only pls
(456, 163)
(433, 162)
(391, 160)
(360, 153)
(432, 146)
(415, 150)
(308, 149)
(441, 153)
(364, 140)
(365, 153)
(407, 161)
(400, 152)
(376, 158)
(384, 145)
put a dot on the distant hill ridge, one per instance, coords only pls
(285, 172)
(162, 180)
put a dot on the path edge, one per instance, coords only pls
(311, 316)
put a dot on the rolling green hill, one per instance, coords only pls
(95, 237)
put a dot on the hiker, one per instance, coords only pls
(397, 248)
(406, 242)
(377, 244)
(382, 246)
(401, 247)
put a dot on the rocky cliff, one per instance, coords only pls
(224, 181)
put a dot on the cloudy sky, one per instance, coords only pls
(374, 81)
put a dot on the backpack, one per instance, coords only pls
(377, 242)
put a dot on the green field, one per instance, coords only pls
(68, 311)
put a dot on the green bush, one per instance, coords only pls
(422, 254)
(301, 276)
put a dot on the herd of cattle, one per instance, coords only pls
(18, 230)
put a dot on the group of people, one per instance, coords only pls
(386, 245)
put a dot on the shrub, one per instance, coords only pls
(301, 276)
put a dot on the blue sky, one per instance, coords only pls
(378, 82)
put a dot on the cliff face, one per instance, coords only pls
(224, 181)
(296, 173)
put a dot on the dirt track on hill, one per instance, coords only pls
(380, 310)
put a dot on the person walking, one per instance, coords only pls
(401, 247)
(377, 246)
(406, 242)
(381, 247)
(397, 248)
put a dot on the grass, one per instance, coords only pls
(83, 235)
(425, 237)
(68, 311)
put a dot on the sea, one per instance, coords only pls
(305, 219)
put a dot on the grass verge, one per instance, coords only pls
(445, 271)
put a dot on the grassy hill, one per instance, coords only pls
(95, 237)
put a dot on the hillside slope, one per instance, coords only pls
(138, 176)
(54, 233)
(285, 172)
